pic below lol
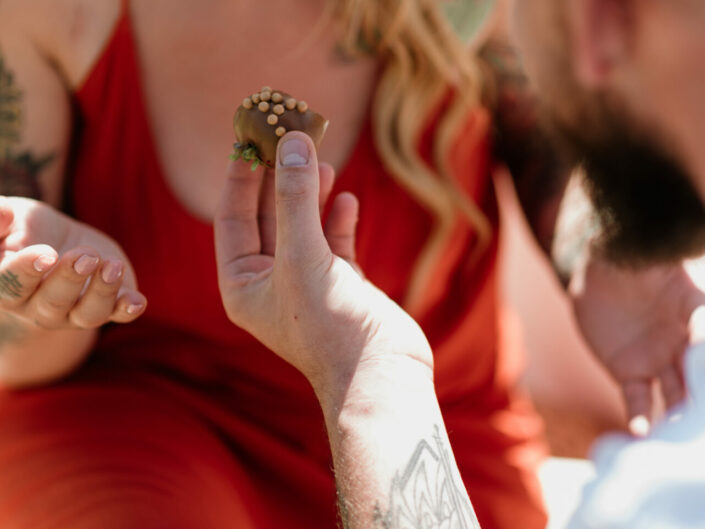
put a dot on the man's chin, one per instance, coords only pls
(649, 209)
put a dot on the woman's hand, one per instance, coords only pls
(294, 285)
(637, 324)
(57, 273)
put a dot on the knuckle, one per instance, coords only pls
(294, 185)
(85, 321)
(53, 306)
(11, 303)
(103, 293)
(49, 323)
(241, 215)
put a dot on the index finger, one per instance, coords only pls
(236, 225)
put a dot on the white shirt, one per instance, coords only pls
(657, 482)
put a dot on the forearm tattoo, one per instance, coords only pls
(427, 494)
(19, 171)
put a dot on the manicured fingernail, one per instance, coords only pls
(44, 262)
(85, 264)
(639, 426)
(112, 272)
(293, 152)
(134, 308)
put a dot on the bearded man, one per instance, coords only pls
(621, 82)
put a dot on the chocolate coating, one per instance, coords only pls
(251, 128)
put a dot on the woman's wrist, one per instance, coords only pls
(31, 355)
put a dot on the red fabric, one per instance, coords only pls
(182, 417)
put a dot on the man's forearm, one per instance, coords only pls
(393, 462)
(30, 355)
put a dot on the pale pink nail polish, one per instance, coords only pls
(85, 264)
(44, 262)
(112, 272)
(134, 308)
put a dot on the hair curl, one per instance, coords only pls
(423, 59)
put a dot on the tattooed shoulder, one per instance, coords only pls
(428, 493)
(19, 170)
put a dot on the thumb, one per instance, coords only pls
(299, 231)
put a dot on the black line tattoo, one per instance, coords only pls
(19, 171)
(10, 286)
(429, 493)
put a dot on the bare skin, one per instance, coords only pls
(193, 136)
(49, 48)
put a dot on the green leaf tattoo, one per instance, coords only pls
(19, 171)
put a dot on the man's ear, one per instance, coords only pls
(601, 32)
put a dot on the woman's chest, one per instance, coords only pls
(195, 75)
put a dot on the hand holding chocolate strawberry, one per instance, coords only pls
(263, 118)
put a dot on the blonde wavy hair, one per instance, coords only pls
(423, 58)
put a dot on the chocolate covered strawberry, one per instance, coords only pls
(264, 117)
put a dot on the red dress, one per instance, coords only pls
(182, 420)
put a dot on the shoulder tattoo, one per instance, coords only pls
(19, 171)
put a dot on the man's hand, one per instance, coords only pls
(294, 285)
(57, 273)
(637, 324)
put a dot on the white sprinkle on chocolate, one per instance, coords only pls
(263, 106)
(278, 109)
(302, 106)
(247, 103)
(280, 131)
(290, 103)
(272, 119)
(277, 97)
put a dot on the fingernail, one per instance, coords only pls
(639, 426)
(44, 262)
(134, 308)
(85, 264)
(293, 153)
(112, 272)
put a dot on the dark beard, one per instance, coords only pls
(650, 212)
